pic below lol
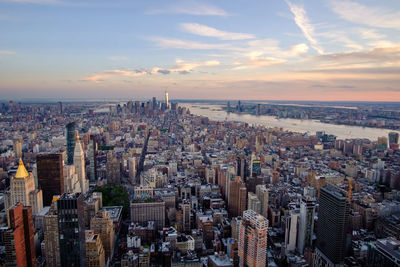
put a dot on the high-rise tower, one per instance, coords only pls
(79, 163)
(333, 216)
(71, 226)
(166, 100)
(253, 239)
(70, 142)
(50, 176)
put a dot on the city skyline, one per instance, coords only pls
(292, 50)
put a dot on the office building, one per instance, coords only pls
(237, 197)
(262, 195)
(50, 176)
(333, 216)
(253, 203)
(51, 238)
(19, 237)
(306, 223)
(95, 256)
(144, 210)
(71, 226)
(291, 221)
(253, 240)
(384, 252)
(22, 190)
(70, 129)
(79, 163)
(102, 225)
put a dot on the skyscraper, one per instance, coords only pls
(79, 163)
(71, 225)
(22, 190)
(70, 128)
(50, 176)
(253, 240)
(166, 100)
(333, 218)
(19, 238)
(291, 230)
(237, 197)
(306, 223)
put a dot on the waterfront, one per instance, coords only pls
(215, 112)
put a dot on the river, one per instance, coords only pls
(216, 113)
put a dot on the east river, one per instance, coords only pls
(216, 113)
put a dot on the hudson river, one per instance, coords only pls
(216, 113)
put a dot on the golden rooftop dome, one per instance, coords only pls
(21, 172)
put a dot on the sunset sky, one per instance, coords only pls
(266, 50)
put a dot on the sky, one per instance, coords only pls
(225, 49)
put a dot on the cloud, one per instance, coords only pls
(183, 72)
(191, 8)
(302, 21)
(376, 17)
(370, 34)
(340, 36)
(182, 44)
(164, 71)
(257, 63)
(181, 67)
(204, 30)
(377, 56)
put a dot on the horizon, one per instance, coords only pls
(288, 50)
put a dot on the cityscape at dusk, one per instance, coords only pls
(199, 133)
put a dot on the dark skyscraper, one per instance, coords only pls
(70, 142)
(333, 218)
(50, 176)
(71, 225)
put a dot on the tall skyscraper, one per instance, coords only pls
(71, 226)
(306, 223)
(333, 216)
(237, 197)
(50, 176)
(19, 238)
(291, 231)
(93, 158)
(70, 129)
(23, 190)
(253, 240)
(166, 100)
(79, 163)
